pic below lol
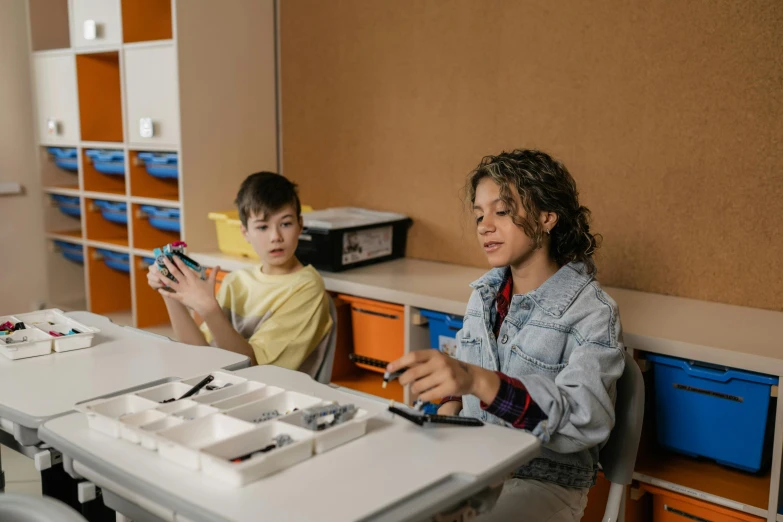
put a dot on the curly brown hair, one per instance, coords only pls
(543, 185)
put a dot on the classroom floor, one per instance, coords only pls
(20, 473)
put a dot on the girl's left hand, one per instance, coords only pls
(190, 290)
(435, 375)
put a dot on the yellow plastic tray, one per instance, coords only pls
(229, 234)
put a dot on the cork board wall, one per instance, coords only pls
(668, 114)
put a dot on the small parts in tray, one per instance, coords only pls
(197, 388)
(267, 415)
(176, 249)
(200, 387)
(319, 418)
(8, 328)
(277, 442)
(36, 333)
(10, 340)
(369, 361)
(194, 390)
(72, 331)
(376, 363)
(426, 419)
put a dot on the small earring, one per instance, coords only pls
(547, 232)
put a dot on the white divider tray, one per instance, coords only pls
(38, 326)
(235, 430)
(30, 342)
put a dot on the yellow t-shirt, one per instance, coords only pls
(283, 317)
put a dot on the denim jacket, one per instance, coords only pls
(563, 341)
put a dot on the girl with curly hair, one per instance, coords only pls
(541, 345)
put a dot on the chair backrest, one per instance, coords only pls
(319, 364)
(324, 375)
(15, 507)
(618, 456)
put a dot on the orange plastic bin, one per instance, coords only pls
(674, 507)
(378, 329)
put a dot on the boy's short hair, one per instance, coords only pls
(263, 193)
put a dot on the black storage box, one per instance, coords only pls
(338, 239)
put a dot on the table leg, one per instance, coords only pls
(2, 475)
(56, 483)
(96, 511)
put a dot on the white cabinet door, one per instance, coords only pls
(153, 99)
(96, 22)
(56, 101)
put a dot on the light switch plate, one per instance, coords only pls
(146, 129)
(52, 127)
(90, 30)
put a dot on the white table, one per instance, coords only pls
(397, 471)
(37, 389)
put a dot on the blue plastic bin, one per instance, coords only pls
(71, 251)
(115, 260)
(66, 159)
(164, 165)
(443, 331)
(162, 218)
(68, 205)
(111, 162)
(718, 413)
(114, 211)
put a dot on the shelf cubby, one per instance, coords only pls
(694, 476)
(147, 237)
(145, 185)
(101, 229)
(110, 289)
(55, 221)
(146, 20)
(66, 280)
(100, 96)
(54, 176)
(150, 307)
(49, 24)
(95, 181)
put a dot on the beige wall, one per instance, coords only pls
(23, 251)
(668, 114)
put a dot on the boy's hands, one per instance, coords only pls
(190, 289)
(155, 279)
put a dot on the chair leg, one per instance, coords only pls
(621, 514)
(615, 504)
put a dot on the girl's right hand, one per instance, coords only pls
(155, 279)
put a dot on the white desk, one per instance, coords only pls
(397, 471)
(121, 358)
(727, 335)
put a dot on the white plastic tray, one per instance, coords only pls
(55, 320)
(216, 459)
(333, 436)
(210, 429)
(181, 444)
(40, 342)
(37, 343)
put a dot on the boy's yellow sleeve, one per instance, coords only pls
(294, 329)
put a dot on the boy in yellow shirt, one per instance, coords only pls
(275, 313)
